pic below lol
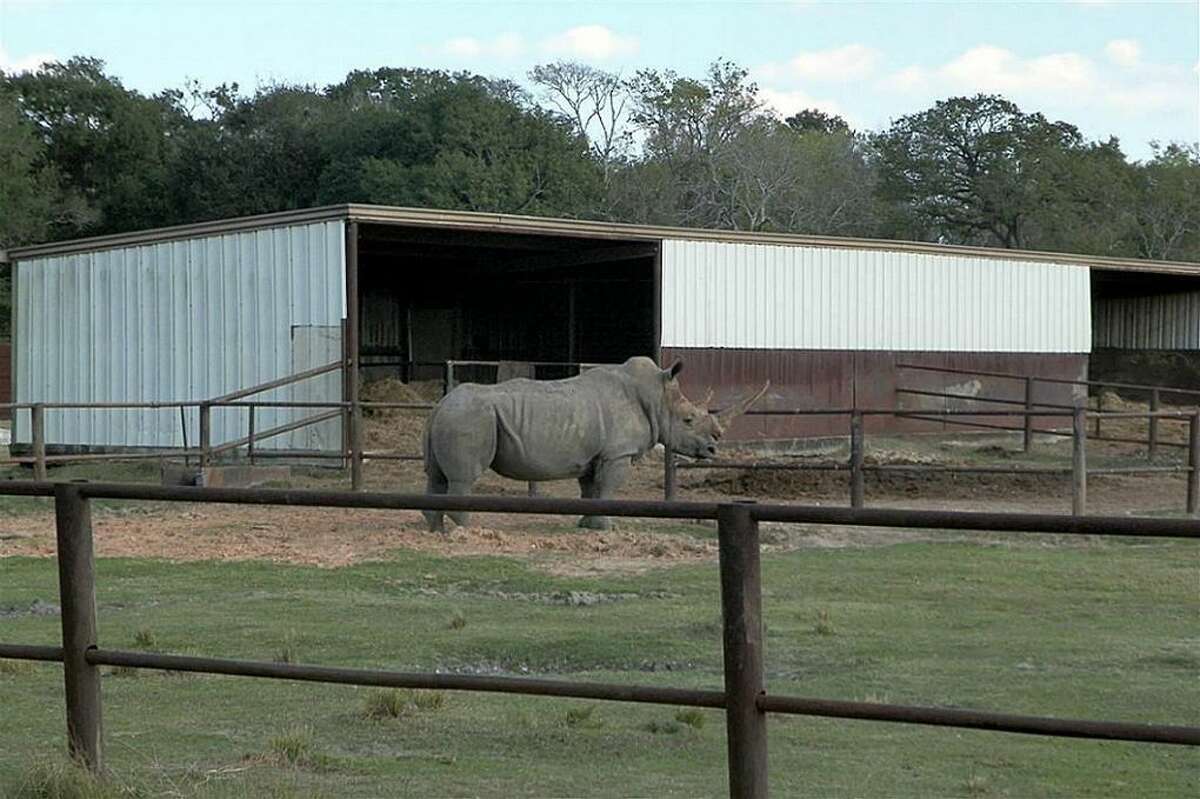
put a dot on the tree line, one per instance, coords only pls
(81, 154)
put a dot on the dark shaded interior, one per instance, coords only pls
(432, 295)
(1124, 283)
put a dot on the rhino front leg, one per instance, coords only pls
(605, 479)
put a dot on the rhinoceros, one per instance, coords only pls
(589, 427)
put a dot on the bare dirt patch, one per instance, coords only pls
(338, 537)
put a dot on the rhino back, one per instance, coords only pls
(546, 430)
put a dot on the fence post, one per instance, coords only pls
(1099, 410)
(1152, 442)
(205, 433)
(250, 435)
(37, 427)
(1079, 462)
(448, 378)
(857, 489)
(741, 606)
(77, 594)
(669, 473)
(1193, 479)
(356, 448)
(1028, 414)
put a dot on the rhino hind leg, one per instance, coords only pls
(435, 483)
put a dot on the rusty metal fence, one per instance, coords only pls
(745, 698)
(353, 455)
(857, 468)
(1030, 403)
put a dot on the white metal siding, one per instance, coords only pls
(1155, 322)
(717, 294)
(181, 320)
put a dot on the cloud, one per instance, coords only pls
(837, 64)
(1124, 52)
(1125, 84)
(30, 63)
(506, 45)
(907, 80)
(590, 42)
(994, 69)
(786, 103)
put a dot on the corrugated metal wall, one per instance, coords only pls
(1154, 322)
(718, 294)
(181, 320)
(5, 376)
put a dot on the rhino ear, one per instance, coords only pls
(673, 371)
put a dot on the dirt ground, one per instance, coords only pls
(337, 537)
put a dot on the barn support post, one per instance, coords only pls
(741, 615)
(1028, 440)
(37, 426)
(183, 430)
(1152, 434)
(857, 485)
(669, 473)
(1099, 410)
(1193, 478)
(448, 378)
(352, 351)
(205, 434)
(1079, 461)
(77, 593)
(250, 434)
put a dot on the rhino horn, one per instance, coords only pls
(741, 406)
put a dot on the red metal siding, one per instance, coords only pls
(817, 379)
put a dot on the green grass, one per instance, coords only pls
(1035, 625)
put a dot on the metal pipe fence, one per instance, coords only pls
(1151, 441)
(857, 467)
(353, 452)
(745, 697)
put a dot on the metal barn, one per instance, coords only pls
(201, 311)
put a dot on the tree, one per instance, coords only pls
(811, 120)
(596, 103)
(422, 138)
(974, 170)
(252, 154)
(687, 126)
(111, 146)
(1166, 208)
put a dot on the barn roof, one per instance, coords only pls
(468, 221)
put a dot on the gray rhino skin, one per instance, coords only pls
(589, 427)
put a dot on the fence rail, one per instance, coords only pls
(858, 468)
(745, 698)
(354, 454)
(1156, 392)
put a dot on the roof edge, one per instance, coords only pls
(511, 223)
(383, 214)
(213, 227)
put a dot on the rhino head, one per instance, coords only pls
(691, 429)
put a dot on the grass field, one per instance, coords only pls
(1081, 628)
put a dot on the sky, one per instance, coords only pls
(1124, 69)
